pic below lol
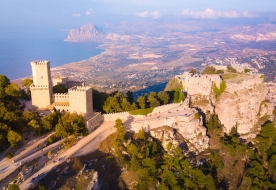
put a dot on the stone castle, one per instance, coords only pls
(77, 100)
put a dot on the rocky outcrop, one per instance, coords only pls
(243, 108)
(189, 136)
(88, 32)
(242, 104)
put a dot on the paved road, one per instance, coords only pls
(7, 166)
(103, 131)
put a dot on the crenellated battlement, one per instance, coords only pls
(39, 86)
(60, 94)
(40, 62)
(79, 89)
(199, 84)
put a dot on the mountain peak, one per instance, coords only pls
(87, 32)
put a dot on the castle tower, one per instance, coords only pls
(42, 87)
(80, 100)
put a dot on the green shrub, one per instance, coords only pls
(10, 155)
(220, 90)
(209, 70)
(197, 116)
(262, 76)
(246, 70)
(169, 146)
(141, 111)
(231, 69)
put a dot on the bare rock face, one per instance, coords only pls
(242, 105)
(189, 136)
(88, 32)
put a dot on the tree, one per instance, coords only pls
(163, 97)
(120, 130)
(35, 125)
(30, 115)
(153, 102)
(13, 90)
(193, 71)
(141, 101)
(4, 81)
(27, 83)
(231, 69)
(133, 106)
(60, 131)
(142, 134)
(47, 122)
(176, 96)
(60, 88)
(130, 97)
(13, 137)
(209, 70)
(181, 96)
(126, 106)
(98, 99)
(13, 187)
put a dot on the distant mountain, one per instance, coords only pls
(87, 32)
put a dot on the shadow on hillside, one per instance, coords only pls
(104, 163)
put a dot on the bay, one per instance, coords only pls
(17, 50)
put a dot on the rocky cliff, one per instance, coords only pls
(87, 32)
(242, 104)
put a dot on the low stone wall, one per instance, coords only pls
(94, 121)
(164, 108)
(113, 116)
(158, 122)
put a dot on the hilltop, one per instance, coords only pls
(87, 32)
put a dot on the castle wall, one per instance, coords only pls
(60, 80)
(80, 100)
(60, 97)
(158, 122)
(70, 84)
(199, 84)
(41, 97)
(94, 121)
(41, 73)
(41, 89)
(62, 106)
(164, 108)
(122, 115)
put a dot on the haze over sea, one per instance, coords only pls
(18, 48)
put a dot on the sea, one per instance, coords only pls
(19, 48)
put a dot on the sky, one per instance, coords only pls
(73, 13)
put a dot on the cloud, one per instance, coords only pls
(154, 14)
(212, 14)
(89, 12)
(76, 15)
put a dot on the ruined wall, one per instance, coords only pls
(199, 84)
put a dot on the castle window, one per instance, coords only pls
(41, 77)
